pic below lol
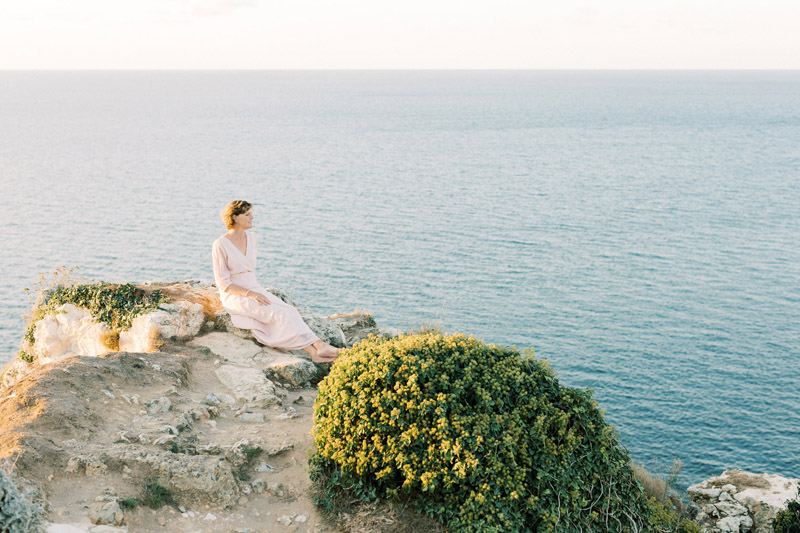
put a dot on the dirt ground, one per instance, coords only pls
(69, 427)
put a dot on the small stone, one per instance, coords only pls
(210, 516)
(162, 521)
(106, 510)
(160, 405)
(264, 467)
(729, 488)
(698, 491)
(277, 490)
(289, 414)
(725, 497)
(731, 509)
(211, 399)
(299, 401)
(181, 508)
(226, 398)
(249, 418)
(710, 510)
(286, 520)
(302, 518)
(108, 393)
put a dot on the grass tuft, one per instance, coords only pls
(155, 496)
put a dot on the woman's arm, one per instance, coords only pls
(247, 293)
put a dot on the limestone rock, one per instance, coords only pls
(106, 510)
(70, 331)
(190, 478)
(355, 326)
(223, 322)
(698, 492)
(293, 372)
(231, 347)
(159, 405)
(741, 501)
(12, 373)
(87, 464)
(179, 320)
(251, 418)
(730, 509)
(734, 524)
(249, 385)
(323, 328)
(192, 291)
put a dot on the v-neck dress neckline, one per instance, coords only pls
(246, 244)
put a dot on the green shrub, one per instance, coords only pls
(475, 435)
(687, 526)
(19, 513)
(788, 520)
(116, 305)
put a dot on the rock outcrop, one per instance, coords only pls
(182, 402)
(194, 308)
(738, 501)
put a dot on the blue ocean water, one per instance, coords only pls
(641, 230)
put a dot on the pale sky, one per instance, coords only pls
(421, 34)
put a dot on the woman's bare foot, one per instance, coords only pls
(322, 352)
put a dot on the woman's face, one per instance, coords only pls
(244, 221)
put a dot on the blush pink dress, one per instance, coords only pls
(278, 324)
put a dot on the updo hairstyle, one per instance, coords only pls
(234, 208)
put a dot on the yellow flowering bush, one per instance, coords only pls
(478, 436)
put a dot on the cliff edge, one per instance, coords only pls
(185, 408)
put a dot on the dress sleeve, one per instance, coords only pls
(222, 274)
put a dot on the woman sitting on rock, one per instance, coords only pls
(272, 321)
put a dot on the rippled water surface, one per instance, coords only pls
(640, 229)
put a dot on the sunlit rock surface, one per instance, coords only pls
(738, 501)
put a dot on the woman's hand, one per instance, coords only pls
(258, 298)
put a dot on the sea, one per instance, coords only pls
(640, 230)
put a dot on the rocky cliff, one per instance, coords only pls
(182, 404)
(738, 501)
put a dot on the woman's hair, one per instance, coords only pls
(236, 207)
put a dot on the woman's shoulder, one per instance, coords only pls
(218, 243)
(252, 236)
